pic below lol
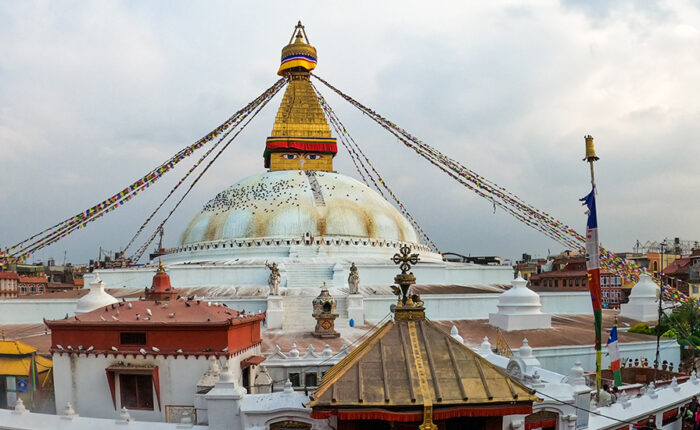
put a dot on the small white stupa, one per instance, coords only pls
(95, 299)
(642, 304)
(520, 309)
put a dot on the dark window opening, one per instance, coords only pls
(136, 391)
(311, 380)
(132, 338)
(246, 377)
(294, 379)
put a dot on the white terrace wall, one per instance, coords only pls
(255, 273)
(32, 311)
(439, 306)
(560, 359)
(478, 306)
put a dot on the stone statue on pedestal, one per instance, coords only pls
(274, 280)
(354, 280)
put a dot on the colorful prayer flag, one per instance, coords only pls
(593, 270)
(614, 350)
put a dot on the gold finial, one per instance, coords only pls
(404, 259)
(590, 149)
(161, 268)
(298, 55)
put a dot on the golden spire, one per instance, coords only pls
(301, 138)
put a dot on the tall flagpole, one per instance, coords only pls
(593, 262)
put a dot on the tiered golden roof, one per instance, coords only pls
(300, 114)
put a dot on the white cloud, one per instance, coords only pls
(96, 94)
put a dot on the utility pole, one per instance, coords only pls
(661, 298)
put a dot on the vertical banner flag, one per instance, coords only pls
(593, 270)
(614, 351)
(33, 374)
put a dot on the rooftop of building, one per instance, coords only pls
(143, 312)
(9, 275)
(34, 279)
(567, 330)
(679, 266)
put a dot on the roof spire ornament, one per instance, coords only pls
(301, 138)
(410, 306)
(298, 55)
(404, 259)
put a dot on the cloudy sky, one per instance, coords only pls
(95, 94)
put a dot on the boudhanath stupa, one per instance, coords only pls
(270, 242)
(311, 222)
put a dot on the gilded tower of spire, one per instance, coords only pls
(301, 138)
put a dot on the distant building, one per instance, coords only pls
(568, 273)
(9, 285)
(485, 260)
(528, 266)
(29, 285)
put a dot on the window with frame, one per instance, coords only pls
(23, 289)
(132, 338)
(136, 391)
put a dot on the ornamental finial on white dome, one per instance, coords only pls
(519, 308)
(95, 299)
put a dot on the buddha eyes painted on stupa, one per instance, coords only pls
(293, 156)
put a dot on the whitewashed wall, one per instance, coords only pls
(560, 359)
(255, 273)
(478, 306)
(20, 311)
(81, 380)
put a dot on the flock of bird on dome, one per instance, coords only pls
(498, 196)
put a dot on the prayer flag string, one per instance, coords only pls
(22, 250)
(268, 96)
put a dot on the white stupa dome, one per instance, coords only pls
(519, 299)
(645, 288)
(95, 299)
(291, 203)
(642, 305)
(520, 309)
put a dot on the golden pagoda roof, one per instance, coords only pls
(407, 363)
(15, 347)
(21, 366)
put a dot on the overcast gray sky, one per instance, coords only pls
(95, 94)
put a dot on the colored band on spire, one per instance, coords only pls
(306, 61)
